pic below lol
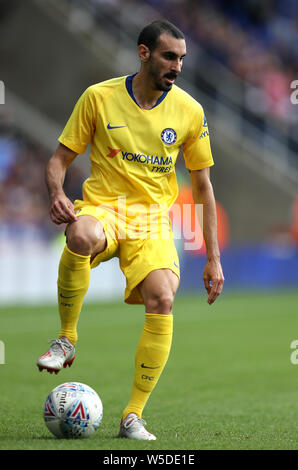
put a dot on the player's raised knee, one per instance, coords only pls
(79, 243)
(161, 302)
(79, 240)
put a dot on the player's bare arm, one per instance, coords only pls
(61, 208)
(203, 194)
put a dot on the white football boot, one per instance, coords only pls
(60, 354)
(133, 428)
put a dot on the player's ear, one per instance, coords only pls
(144, 52)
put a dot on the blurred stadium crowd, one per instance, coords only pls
(256, 41)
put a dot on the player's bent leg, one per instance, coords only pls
(158, 291)
(85, 238)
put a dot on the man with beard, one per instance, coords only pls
(136, 126)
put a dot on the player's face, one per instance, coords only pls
(166, 61)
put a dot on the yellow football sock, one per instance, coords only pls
(151, 357)
(73, 283)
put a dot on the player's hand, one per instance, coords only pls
(213, 279)
(62, 210)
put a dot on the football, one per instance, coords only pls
(73, 410)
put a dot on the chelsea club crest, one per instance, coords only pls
(168, 136)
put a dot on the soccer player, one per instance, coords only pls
(136, 126)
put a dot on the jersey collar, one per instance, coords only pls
(128, 84)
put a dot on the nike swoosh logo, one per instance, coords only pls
(114, 127)
(176, 265)
(67, 297)
(147, 367)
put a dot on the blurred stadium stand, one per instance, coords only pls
(242, 58)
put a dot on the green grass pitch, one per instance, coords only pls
(229, 382)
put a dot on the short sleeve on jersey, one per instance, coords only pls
(196, 148)
(80, 128)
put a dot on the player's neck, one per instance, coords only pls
(144, 93)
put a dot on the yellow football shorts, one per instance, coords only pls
(140, 250)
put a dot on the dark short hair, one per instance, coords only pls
(149, 35)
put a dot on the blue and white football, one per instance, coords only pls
(73, 410)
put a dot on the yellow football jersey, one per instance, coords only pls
(134, 150)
